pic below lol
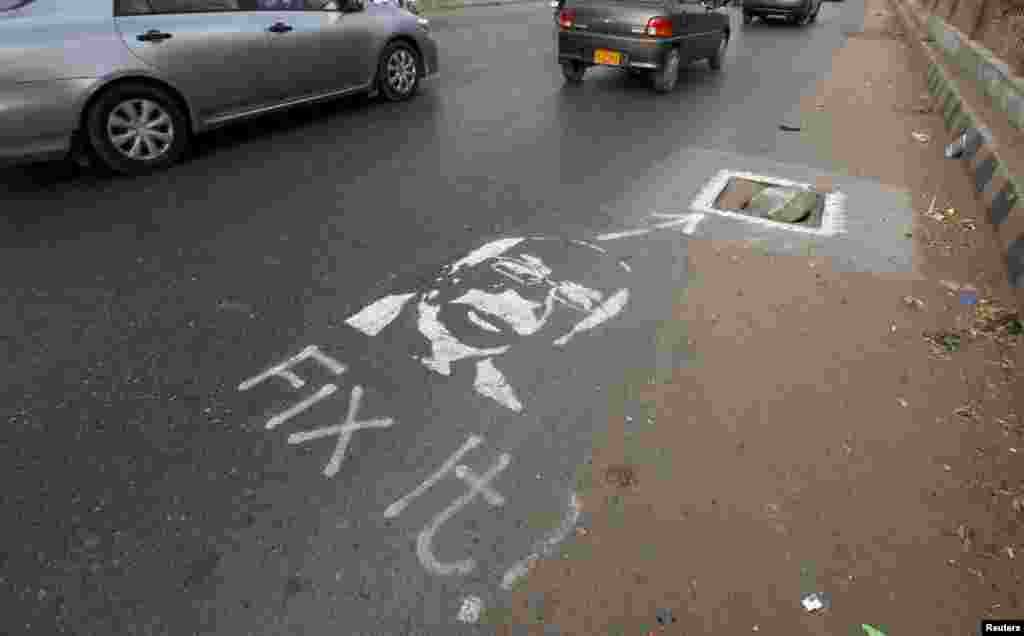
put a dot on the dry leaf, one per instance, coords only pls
(913, 303)
(921, 137)
(903, 403)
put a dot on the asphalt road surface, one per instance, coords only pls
(154, 482)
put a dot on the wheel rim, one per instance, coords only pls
(140, 129)
(401, 69)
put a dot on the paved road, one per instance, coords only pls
(145, 493)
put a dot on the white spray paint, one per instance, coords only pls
(470, 610)
(325, 392)
(396, 508)
(689, 221)
(481, 254)
(478, 485)
(446, 348)
(344, 432)
(491, 382)
(284, 371)
(373, 318)
(545, 546)
(612, 307)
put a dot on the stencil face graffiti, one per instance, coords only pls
(478, 308)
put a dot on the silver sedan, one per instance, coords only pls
(131, 81)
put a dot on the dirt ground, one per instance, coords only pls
(853, 435)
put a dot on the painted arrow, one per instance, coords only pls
(688, 221)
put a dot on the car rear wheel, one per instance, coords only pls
(137, 128)
(574, 71)
(715, 61)
(665, 79)
(398, 75)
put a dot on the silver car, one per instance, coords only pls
(130, 81)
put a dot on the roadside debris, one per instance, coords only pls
(957, 148)
(944, 216)
(621, 476)
(966, 535)
(470, 610)
(665, 617)
(913, 303)
(789, 128)
(967, 411)
(921, 137)
(871, 631)
(903, 403)
(968, 297)
(815, 602)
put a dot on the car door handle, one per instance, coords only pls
(153, 35)
(279, 27)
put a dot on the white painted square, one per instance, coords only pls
(833, 218)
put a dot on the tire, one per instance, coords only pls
(664, 80)
(716, 60)
(574, 71)
(748, 18)
(398, 72)
(136, 128)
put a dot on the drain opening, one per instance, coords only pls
(786, 204)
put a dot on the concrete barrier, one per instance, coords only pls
(996, 172)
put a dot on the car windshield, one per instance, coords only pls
(11, 5)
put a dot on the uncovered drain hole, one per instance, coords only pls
(782, 204)
(773, 202)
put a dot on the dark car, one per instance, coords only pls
(645, 37)
(796, 11)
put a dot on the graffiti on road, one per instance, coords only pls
(478, 308)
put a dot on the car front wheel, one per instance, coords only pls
(398, 75)
(137, 128)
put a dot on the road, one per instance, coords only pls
(150, 490)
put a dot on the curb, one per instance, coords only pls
(999, 190)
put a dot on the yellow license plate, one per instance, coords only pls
(610, 58)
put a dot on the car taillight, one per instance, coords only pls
(659, 27)
(566, 17)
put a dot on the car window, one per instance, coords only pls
(11, 5)
(132, 7)
(194, 6)
(290, 5)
